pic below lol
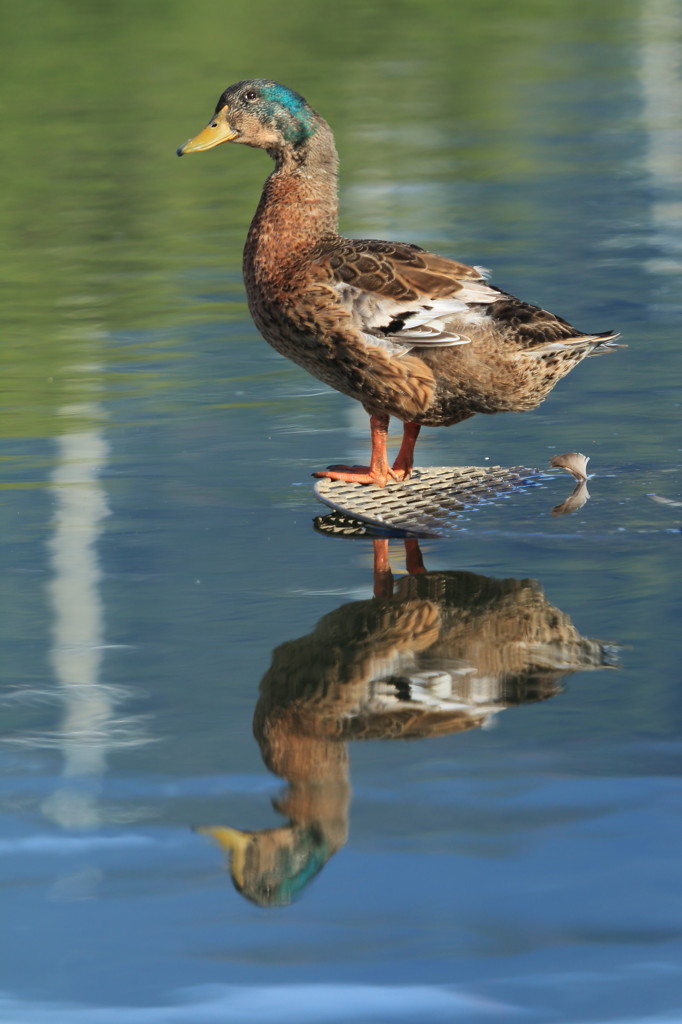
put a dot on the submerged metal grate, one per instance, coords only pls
(429, 502)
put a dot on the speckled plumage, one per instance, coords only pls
(405, 332)
(432, 654)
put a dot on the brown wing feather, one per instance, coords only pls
(534, 330)
(406, 273)
(397, 270)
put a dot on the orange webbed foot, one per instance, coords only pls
(378, 472)
(359, 475)
(401, 471)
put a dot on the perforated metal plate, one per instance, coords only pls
(428, 504)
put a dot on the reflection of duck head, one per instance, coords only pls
(440, 653)
(272, 866)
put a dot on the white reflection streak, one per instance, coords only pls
(660, 75)
(78, 619)
(306, 1004)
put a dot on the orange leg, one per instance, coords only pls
(378, 470)
(414, 563)
(383, 577)
(402, 467)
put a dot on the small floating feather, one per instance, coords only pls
(574, 462)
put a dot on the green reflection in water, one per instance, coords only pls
(104, 234)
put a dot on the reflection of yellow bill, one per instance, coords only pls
(232, 840)
(217, 130)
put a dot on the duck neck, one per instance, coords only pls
(297, 209)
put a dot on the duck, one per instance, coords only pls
(406, 332)
(431, 654)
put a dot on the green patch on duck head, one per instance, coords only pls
(294, 119)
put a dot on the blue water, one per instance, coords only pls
(161, 578)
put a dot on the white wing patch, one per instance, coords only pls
(398, 327)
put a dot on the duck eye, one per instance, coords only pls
(250, 95)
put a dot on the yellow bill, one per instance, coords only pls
(217, 131)
(234, 842)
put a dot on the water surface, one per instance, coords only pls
(160, 560)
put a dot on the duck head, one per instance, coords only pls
(257, 113)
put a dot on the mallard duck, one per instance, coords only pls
(407, 333)
(432, 654)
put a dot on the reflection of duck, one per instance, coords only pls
(405, 332)
(439, 654)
